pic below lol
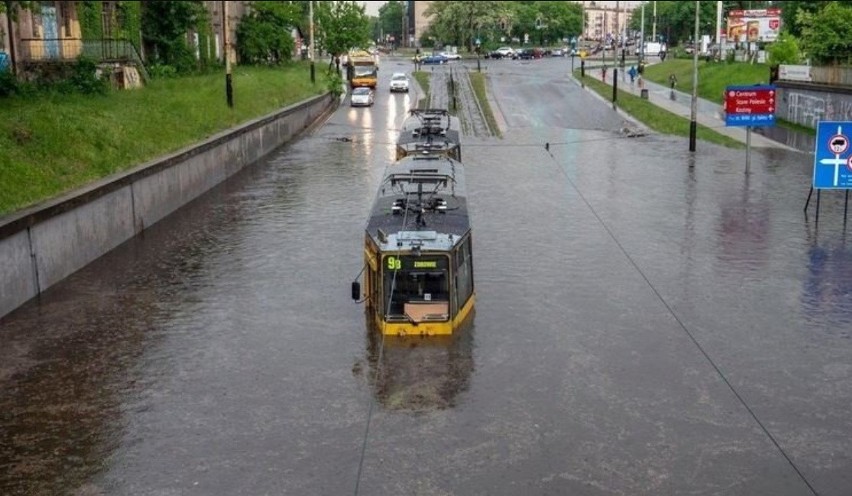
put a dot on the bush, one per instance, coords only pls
(86, 78)
(335, 84)
(8, 84)
(158, 71)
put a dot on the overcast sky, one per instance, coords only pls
(373, 7)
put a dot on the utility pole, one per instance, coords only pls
(693, 125)
(654, 24)
(229, 84)
(311, 53)
(718, 24)
(642, 35)
(615, 60)
(12, 62)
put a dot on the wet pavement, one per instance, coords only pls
(648, 321)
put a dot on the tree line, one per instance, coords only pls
(161, 29)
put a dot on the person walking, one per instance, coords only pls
(632, 73)
(672, 80)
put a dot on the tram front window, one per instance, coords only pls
(414, 293)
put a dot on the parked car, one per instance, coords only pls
(436, 58)
(361, 97)
(505, 51)
(451, 56)
(399, 82)
(528, 54)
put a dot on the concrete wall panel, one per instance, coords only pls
(17, 272)
(67, 242)
(156, 196)
(71, 232)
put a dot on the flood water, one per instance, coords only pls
(648, 321)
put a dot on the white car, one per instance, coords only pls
(399, 82)
(505, 52)
(451, 56)
(361, 97)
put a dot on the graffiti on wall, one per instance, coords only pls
(809, 107)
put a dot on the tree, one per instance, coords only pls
(391, 16)
(827, 34)
(790, 13)
(165, 25)
(462, 22)
(785, 50)
(341, 26)
(263, 36)
(558, 20)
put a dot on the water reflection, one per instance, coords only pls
(827, 288)
(418, 374)
(743, 229)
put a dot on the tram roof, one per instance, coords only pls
(441, 180)
(434, 126)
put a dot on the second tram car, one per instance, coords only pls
(433, 131)
(418, 274)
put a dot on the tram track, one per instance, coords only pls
(468, 108)
(451, 89)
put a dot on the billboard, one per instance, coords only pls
(753, 25)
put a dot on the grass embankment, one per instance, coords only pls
(713, 78)
(422, 78)
(52, 143)
(656, 118)
(477, 81)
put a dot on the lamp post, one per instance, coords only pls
(642, 36)
(311, 54)
(229, 84)
(693, 125)
(654, 24)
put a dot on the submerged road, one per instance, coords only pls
(648, 322)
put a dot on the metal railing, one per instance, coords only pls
(69, 49)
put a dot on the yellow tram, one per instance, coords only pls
(418, 274)
(433, 131)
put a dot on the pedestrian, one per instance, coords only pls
(672, 80)
(603, 74)
(337, 63)
(632, 73)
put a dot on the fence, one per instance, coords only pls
(833, 75)
(66, 49)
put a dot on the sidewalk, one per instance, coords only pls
(709, 114)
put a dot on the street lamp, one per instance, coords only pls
(229, 84)
(693, 125)
(311, 16)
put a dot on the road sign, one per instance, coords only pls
(750, 105)
(832, 156)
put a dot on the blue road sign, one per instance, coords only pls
(833, 155)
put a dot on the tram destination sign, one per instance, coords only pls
(750, 105)
(413, 262)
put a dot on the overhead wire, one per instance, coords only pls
(381, 354)
(680, 323)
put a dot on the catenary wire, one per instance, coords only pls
(683, 327)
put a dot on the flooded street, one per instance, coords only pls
(648, 321)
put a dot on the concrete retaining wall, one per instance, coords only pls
(43, 245)
(806, 104)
